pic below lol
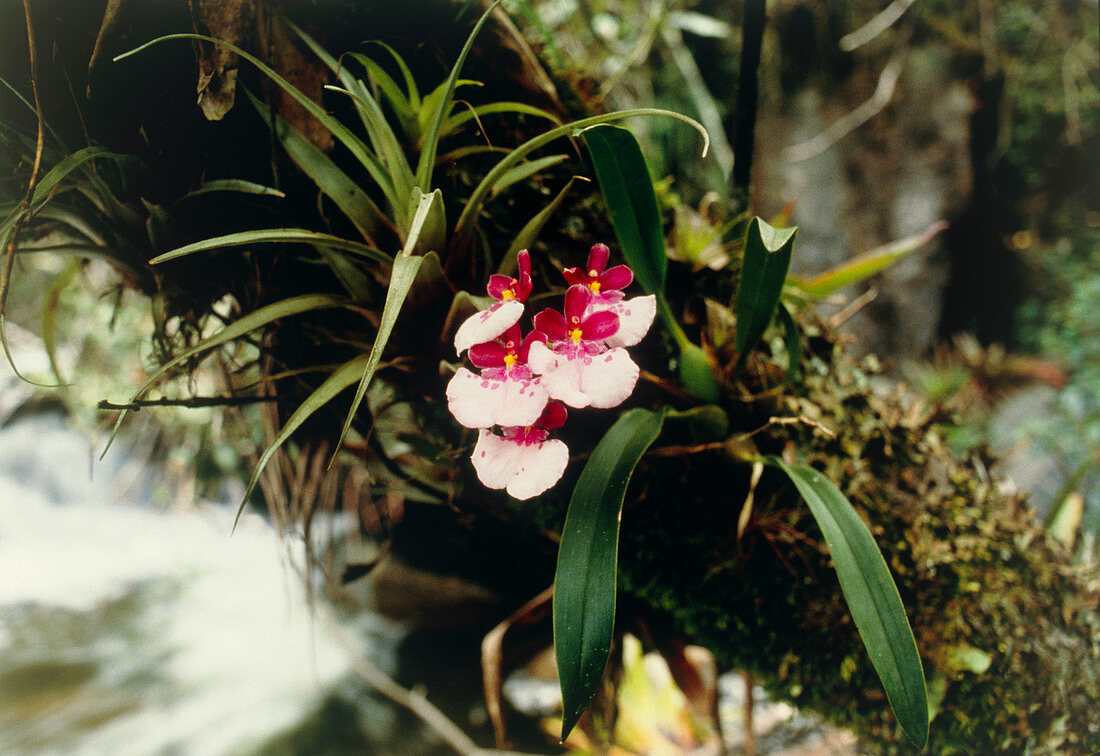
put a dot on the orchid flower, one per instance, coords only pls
(523, 460)
(635, 315)
(575, 364)
(510, 294)
(506, 392)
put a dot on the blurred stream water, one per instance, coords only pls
(127, 629)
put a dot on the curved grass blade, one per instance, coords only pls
(273, 236)
(871, 595)
(344, 377)
(405, 267)
(464, 225)
(470, 114)
(236, 329)
(50, 306)
(524, 171)
(67, 165)
(352, 201)
(767, 256)
(628, 191)
(234, 185)
(439, 114)
(584, 584)
(530, 231)
(866, 265)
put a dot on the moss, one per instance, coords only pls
(1007, 626)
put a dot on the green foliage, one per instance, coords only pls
(584, 585)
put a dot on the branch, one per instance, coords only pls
(845, 125)
(190, 402)
(876, 26)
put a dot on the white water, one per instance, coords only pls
(128, 630)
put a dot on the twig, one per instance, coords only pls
(190, 402)
(857, 304)
(842, 127)
(876, 26)
(680, 451)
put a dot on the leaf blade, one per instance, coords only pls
(584, 583)
(767, 257)
(274, 236)
(871, 595)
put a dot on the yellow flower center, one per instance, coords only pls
(507, 294)
(510, 359)
(595, 287)
(575, 334)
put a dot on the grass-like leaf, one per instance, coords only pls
(530, 231)
(405, 267)
(236, 329)
(863, 267)
(792, 338)
(584, 584)
(275, 236)
(467, 220)
(234, 185)
(767, 256)
(871, 595)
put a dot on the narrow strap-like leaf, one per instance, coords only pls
(767, 257)
(272, 236)
(234, 185)
(872, 597)
(530, 231)
(236, 329)
(628, 191)
(405, 267)
(584, 584)
(792, 339)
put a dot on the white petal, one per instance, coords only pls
(487, 325)
(496, 459)
(519, 402)
(471, 400)
(560, 375)
(608, 379)
(635, 317)
(540, 466)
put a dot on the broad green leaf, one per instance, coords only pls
(766, 258)
(792, 339)
(467, 220)
(275, 236)
(628, 191)
(346, 137)
(353, 202)
(234, 185)
(584, 584)
(244, 325)
(530, 231)
(524, 171)
(863, 267)
(405, 267)
(344, 377)
(871, 595)
(442, 109)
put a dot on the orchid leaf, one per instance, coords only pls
(766, 258)
(524, 171)
(872, 597)
(628, 191)
(234, 185)
(585, 581)
(275, 236)
(469, 114)
(792, 339)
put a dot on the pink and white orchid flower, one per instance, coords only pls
(575, 364)
(635, 315)
(506, 392)
(523, 460)
(504, 313)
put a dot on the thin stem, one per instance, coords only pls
(744, 130)
(190, 402)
